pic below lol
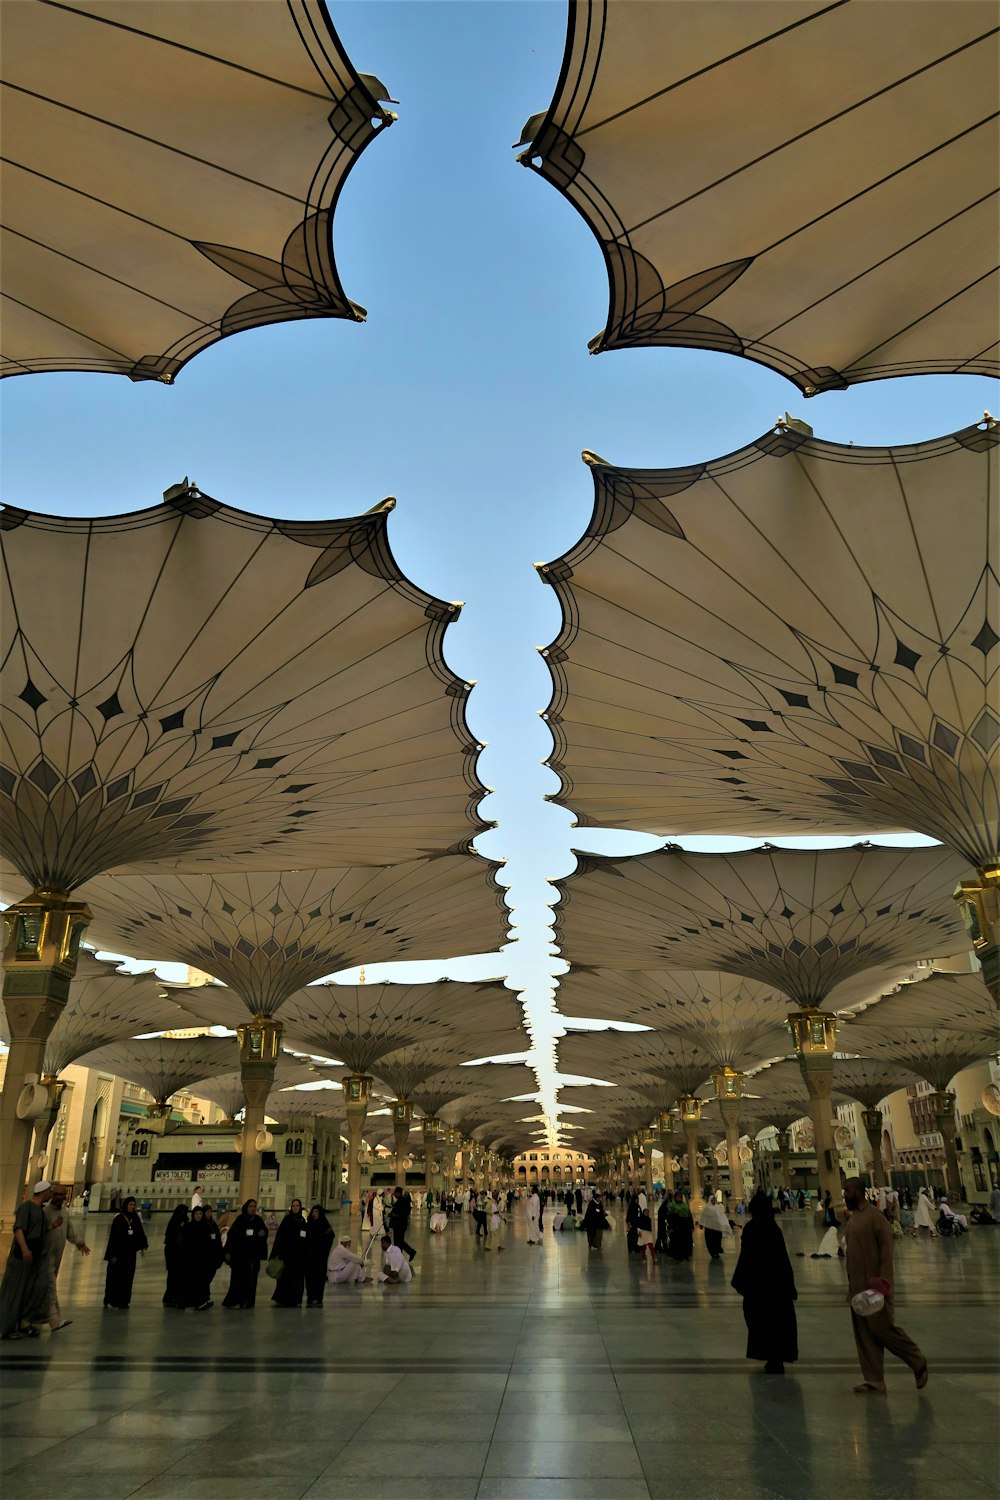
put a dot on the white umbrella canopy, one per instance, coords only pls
(805, 921)
(227, 1089)
(105, 1005)
(174, 177)
(163, 1065)
(728, 1015)
(212, 689)
(465, 1085)
(356, 1024)
(267, 934)
(794, 638)
(805, 184)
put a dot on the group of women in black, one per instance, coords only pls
(194, 1251)
(192, 1248)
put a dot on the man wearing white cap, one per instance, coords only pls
(25, 1287)
(344, 1266)
(61, 1232)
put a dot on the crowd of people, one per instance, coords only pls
(305, 1255)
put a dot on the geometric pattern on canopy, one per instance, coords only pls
(779, 1095)
(802, 920)
(644, 1059)
(357, 1024)
(195, 684)
(497, 1080)
(105, 1004)
(726, 1014)
(935, 1027)
(405, 1070)
(266, 935)
(615, 1111)
(807, 184)
(163, 1065)
(483, 1117)
(870, 1081)
(291, 1104)
(172, 177)
(227, 1089)
(798, 637)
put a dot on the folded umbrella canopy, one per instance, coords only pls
(171, 174)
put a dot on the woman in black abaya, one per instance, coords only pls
(125, 1239)
(199, 1260)
(764, 1279)
(173, 1295)
(290, 1248)
(319, 1243)
(246, 1247)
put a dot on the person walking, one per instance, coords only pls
(714, 1223)
(399, 1221)
(764, 1279)
(645, 1239)
(60, 1233)
(246, 1248)
(199, 1256)
(680, 1228)
(870, 1269)
(595, 1222)
(290, 1248)
(173, 1293)
(534, 1213)
(319, 1243)
(923, 1219)
(24, 1290)
(126, 1238)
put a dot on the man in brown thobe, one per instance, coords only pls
(869, 1259)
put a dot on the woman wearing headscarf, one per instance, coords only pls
(764, 1279)
(290, 1248)
(199, 1260)
(680, 1244)
(715, 1223)
(632, 1223)
(173, 1295)
(125, 1239)
(663, 1224)
(246, 1247)
(319, 1243)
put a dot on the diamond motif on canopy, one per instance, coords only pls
(326, 920)
(162, 1065)
(935, 1027)
(227, 1089)
(451, 1085)
(358, 1024)
(174, 178)
(870, 1081)
(808, 185)
(405, 1071)
(797, 637)
(729, 1016)
(282, 697)
(641, 1060)
(853, 910)
(105, 1005)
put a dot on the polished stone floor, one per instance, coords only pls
(543, 1371)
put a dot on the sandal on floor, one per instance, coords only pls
(10, 1338)
(866, 1388)
(921, 1376)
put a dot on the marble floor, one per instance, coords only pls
(540, 1372)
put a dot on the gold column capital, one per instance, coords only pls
(728, 1083)
(813, 1031)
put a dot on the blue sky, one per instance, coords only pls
(468, 394)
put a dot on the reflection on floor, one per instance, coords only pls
(543, 1371)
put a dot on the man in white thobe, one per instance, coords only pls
(196, 1199)
(395, 1266)
(344, 1266)
(61, 1232)
(534, 1209)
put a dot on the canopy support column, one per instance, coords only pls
(357, 1092)
(41, 946)
(402, 1116)
(729, 1091)
(872, 1121)
(260, 1043)
(980, 904)
(943, 1105)
(691, 1118)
